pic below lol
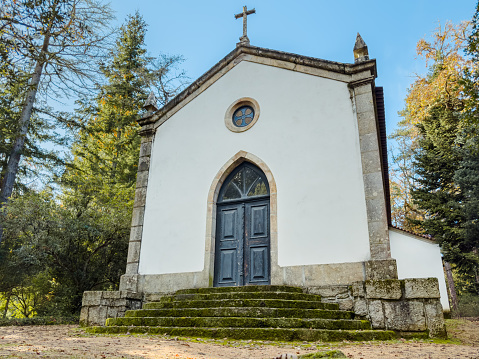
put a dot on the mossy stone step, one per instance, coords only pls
(222, 303)
(247, 288)
(244, 322)
(254, 312)
(254, 333)
(241, 295)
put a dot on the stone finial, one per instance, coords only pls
(360, 50)
(150, 104)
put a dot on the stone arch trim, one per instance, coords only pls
(228, 167)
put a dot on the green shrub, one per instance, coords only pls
(468, 305)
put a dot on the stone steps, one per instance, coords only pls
(241, 295)
(265, 303)
(241, 322)
(250, 312)
(296, 334)
(257, 312)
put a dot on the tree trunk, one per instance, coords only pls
(452, 290)
(17, 150)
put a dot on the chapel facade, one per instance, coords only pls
(271, 169)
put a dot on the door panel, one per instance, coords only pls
(229, 245)
(257, 243)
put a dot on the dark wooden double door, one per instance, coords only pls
(242, 253)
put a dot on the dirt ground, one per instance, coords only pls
(69, 341)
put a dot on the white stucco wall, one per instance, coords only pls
(418, 258)
(306, 134)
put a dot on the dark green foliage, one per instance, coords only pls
(436, 194)
(468, 305)
(75, 248)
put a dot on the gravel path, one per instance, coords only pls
(69, 341)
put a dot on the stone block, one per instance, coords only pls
(405, 316)
(368, 142)
(360, 307)
(373, 186)
(153, 297)
(366, 123)
(84, 316)
(379, 243)
(133, 304)
(134, 252)
(376, 314)
(136, 233)
(363, 89)
(376, 210)
(332, 274)
(145, 148)
(131, 295)
(331, 291)
(383, 289)
(131, 269)
(140, 197)
(421, 288)
(381, 269)
(111, 295)
(166, 282)
(293, 276)
(346, 304)
(91, 298)
(435, 319)
(112, 312)
(144, 164)
(357, 289)
(129, 282)
(97, 315)
(365, 103)
(370, 162)
(142, 179)
(137, 216)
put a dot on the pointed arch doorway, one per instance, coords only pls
(242, 245)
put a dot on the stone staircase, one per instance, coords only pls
(251, 312)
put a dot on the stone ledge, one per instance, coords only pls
(383, 289)
(97, 306)
(421, 288)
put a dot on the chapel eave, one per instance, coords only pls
(242, 50)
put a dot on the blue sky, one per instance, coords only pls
(205, 31)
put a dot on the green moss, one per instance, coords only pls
(310, 335)
(324, 354)
(256, 312)
(249, 288)
(265, 303)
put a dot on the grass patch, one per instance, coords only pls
(5, 322)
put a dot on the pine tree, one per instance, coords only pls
(106, 151)
(436, 194)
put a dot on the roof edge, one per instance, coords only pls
(421, 236)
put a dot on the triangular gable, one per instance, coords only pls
(309, 65)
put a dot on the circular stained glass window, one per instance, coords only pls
(243, 116)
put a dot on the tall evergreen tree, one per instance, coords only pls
(106, 150)
(436, 193)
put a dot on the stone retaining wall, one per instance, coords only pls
(407, 305)
(98, 306)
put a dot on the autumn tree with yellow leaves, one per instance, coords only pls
(442, 85)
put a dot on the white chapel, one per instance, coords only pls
(270, 169)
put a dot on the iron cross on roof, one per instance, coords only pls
(246, 12)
